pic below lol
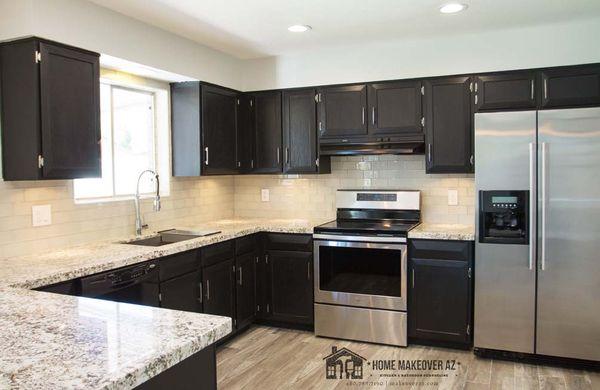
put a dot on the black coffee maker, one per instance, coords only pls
(504, 217)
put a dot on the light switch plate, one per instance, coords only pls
(452, 197)
(41, 215)
(264, 194)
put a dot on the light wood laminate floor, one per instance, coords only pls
(273, 358)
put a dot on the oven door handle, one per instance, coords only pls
(366, 239)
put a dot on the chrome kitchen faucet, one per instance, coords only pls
(139, 225)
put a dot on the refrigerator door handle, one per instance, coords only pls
(532, 203)
(543, 206)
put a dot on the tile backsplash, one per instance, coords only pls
(191, 201)
(313, 196)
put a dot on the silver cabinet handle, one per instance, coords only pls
(363, 115)
(532, 203)
(207, 289)
(308, 270)
(241, 280)
(278, 157)
(545, 88)
(543, 206)
(476, 98)
(200, 292)
(206, 155)
(373, 115)
(287, 155)
(413, 278)
(429, 152)
(532, 89)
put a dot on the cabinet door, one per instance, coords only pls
(505, 91)
(185, 129)
(245, 133)
(70, 112)
(218, 131)
(571, 87)
(182, 293)
(267, 123)
(448, 125)
(291, 289)
(299, 131)
(395, 108)
(342, 111)
(217, 283)
(245, 288)
(440, 300)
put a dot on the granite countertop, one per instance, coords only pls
(48, 268)
(52, 341)
(443, 232)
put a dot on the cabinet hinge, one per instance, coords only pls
(160, 297)
(317, 162)
(423, 90)
(258, 308)
(239, 164)
(468, 329)
(38, 57)
(469, 272)
(423, 121)
(471, 86)
(267, 262)
(234, 322)
(472, 160)
(317, 97)
(251, 103)
(233, 268)
(40, 161)
(268, 308)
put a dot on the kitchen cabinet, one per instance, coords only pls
(245, 288)
(50, 111)
(448, 125)
(218, 131)
(267, 125)
(182, 293)
(245, 133)
(570, 86)
(506, 91)
(217, 283)
(291, 288)
(394, 108)
(440, 291)
(185, 129)
(342, 112)
(300, 143)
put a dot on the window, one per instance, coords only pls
(133, 140)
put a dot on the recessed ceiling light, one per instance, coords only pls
(452, 8)
(299, 28)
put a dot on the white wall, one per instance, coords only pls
(545, 45)
(87, 25)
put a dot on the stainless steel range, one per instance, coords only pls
(361, 266)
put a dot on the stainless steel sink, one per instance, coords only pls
(171, 236)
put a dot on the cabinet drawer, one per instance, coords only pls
(179, 264)
(216, 253)
(245, 245)
(288, 242)
(441, 249)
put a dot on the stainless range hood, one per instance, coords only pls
(409, 144)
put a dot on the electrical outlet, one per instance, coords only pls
(41, 215)
(264, 195)
(452, 197)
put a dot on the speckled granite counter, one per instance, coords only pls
(49, 268)
(443, 232)
(52, 341)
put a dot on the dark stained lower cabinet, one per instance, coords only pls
(571, 86)
(440, 291)
(507, 91)
(182, 293)
(448, 125)
(291, 288)
(217, 283)
(245, 289)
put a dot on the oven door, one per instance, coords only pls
(361, 274)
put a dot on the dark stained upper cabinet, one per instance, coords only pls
(267, 124)
(395, 108)
(218, 131)
(185, 129)
(50, 111)
(448, 125)
(245, 133)
(570, 87)
(509, 91)
(342, 111)
(300, 133)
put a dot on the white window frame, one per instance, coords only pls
(161, 152)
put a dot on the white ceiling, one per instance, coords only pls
(258, 28)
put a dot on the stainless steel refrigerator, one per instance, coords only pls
(537, 250)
